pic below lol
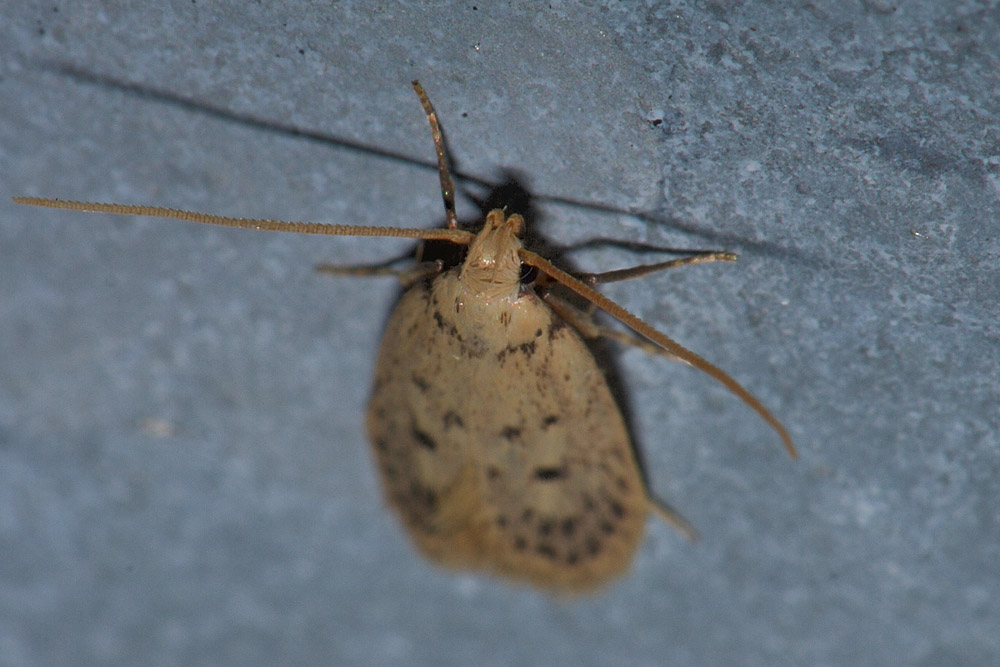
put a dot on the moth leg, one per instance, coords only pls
(360, 271)
(646, 269)
(417, 272)
(671, 517)
(594, 279)
(385, 268)
(407, 276)
(583, 321)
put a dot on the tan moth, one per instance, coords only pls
(499, 442)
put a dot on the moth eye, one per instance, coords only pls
(528, 274)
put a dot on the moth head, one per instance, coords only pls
(492, 265)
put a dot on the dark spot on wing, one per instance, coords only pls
(424, 499)
(475, 347)
(422, 384)
(452, 418)
(445, 326)
(430, 499)
(546, 550)
(556, 328)
(549, 474)
(423, 439)
(510, 432)
(527, 349)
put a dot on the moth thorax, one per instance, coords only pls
(492, 267)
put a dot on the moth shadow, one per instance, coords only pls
(510, 192)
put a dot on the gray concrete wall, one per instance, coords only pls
(184, 477)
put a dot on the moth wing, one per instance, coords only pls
(428, 466)
(510, 457)
(570, 502)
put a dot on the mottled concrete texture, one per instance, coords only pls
(184, 477)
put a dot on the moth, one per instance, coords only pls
(500, 445)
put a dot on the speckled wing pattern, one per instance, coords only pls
(499, 443)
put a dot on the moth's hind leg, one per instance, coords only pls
(593, 279)
(583, 322)
(671, 517)
(407, 276)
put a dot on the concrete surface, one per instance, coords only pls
(184, 477)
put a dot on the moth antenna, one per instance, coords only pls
(447, 185)
(458, 236)
(667, 343)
